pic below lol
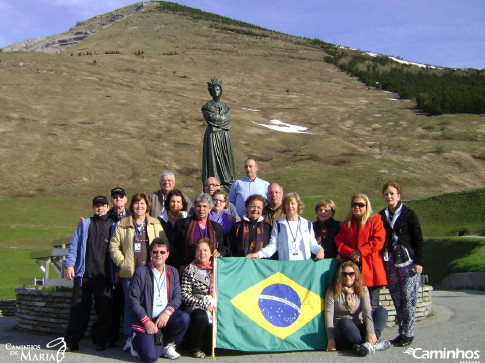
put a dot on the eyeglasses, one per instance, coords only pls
(257, 207)
(159, 252)
(212, 185)
(348, 273)
(358, 204)
(219, 200)
(117, 196)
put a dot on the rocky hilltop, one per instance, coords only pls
(79, 32)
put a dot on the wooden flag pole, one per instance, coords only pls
(214, 312)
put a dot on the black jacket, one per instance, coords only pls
(408, 230)
(180, 230)
(328, 240)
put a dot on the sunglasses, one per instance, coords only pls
(348, 273)
(212, 185)
(356, 204)
(159, 252)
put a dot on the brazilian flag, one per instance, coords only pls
(272, 306)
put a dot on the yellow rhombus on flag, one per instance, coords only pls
(271, 306)
(290, 315)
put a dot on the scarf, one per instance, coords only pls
(189, 238)
(392, 242)
(245, 245)
(349, 297)
(210, 268)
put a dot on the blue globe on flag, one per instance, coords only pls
(280, 305)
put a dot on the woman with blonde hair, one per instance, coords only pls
(361, 239)
(349, 320)
(292, 236)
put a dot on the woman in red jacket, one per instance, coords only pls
(361, 239)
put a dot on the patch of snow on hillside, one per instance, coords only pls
(284, 127)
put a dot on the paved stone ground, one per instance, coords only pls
(458, 323)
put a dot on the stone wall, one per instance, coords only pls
(44, 311)
(423, 309)
(7, 307)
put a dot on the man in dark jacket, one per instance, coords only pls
(155, 297)
(87, 263)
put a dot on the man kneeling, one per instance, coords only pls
(155, 297)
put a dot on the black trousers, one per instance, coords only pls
(200, 331)
(82, 295)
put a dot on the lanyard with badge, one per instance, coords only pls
(294, 248)
(139, 228)
(160, 283)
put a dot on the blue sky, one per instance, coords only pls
(438, 32)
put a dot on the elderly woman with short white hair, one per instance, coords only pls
(188, 230)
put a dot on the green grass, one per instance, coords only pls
(16, 264)
(445, 255)
(447, 214)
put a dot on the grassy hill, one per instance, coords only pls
(124, 104)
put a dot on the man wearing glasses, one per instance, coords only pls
(155, 297)
(119, 200)
(273, 211)
(167, 184)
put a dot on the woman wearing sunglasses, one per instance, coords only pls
(361, 238)
(349, 320)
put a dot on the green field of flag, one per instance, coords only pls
(267, 305)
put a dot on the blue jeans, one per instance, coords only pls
(127, 329)
(347, 333)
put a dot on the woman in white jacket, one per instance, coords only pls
(292, 236)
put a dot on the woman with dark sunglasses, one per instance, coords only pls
(361, 239)
(349, 320)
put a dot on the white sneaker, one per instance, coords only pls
(127, 345)
(169, 351)
(133, 352)
(382, 344)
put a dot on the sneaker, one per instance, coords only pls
(127, 345)
(382, 344)
(133, 352)
(364, 349)
(169, 351)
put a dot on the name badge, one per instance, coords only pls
(137, 247)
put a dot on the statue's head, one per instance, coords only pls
(215, 84)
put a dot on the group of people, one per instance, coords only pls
(152, 263)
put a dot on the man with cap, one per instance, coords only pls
(119, 200)
(116, 214)
(87, 263)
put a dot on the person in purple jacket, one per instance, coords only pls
(155, 297)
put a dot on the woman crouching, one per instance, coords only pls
(198, 295)
(349, 320)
